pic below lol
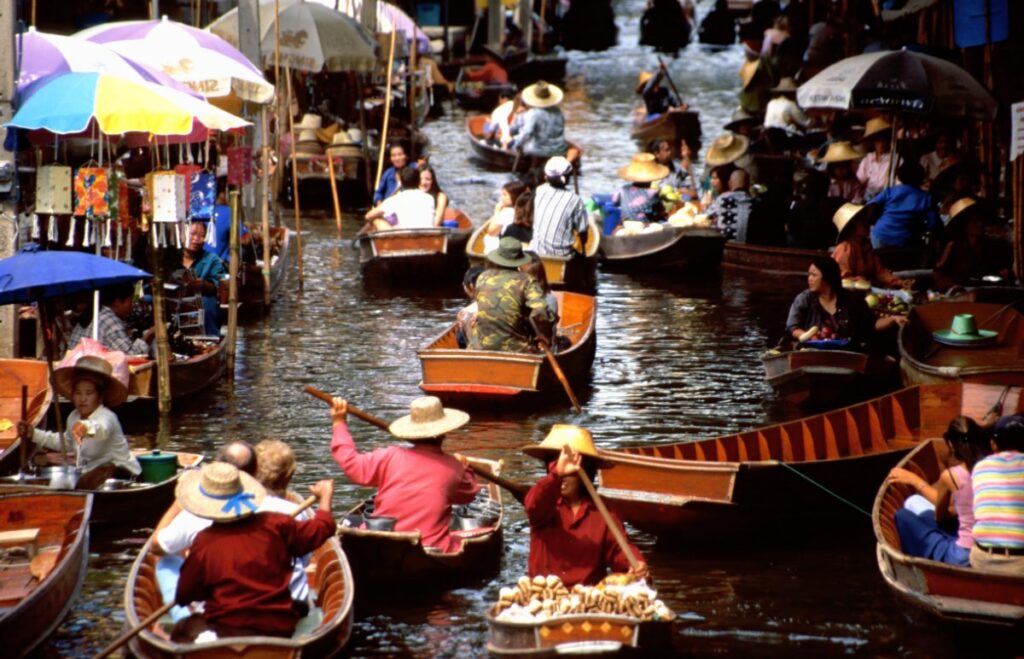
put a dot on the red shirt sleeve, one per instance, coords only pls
(303, 537)
(360, 468)
(191, 581)
(614, 556)
(541, 501)
(467, 488)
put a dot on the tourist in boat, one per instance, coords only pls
(466, 316)
(727, 149)
(680, 177)
(540, 130)
(510, 303)
(535, 268)
(719, 27)
(998, 483)
(411, 208)
(504, 213)
(664, 26)
(240, 567)
(429, 184)
(205, 272)
(657, 99)
(968, 254)
(92, 430)
(568, 537)
(854, 253)
(115, 307)
(522, 221)
(416, 485)
(731, 210)
(784, 121)
(389, 181)
(491, 72)
(558, 213)
(907, 212)
(831, 311)
(637, 199)
(718, 183)
(839, 160)
(497, 129)
(873, 170)
(921, 521)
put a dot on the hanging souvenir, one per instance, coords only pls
(239, 165)
(91, 186)
(202, 191)
(53, 189)
(167, 196)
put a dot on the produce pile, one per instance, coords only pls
(887, 304)
(543, 598)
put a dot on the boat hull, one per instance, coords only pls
(582, 633)
(671, 126)
(765, 259)
(188, 377)
(14, 374)
(414, 256)
(687, 249)
(501, 159)
(252, 285)
(828, 378)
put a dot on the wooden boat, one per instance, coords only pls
(353, 179)
(924, 361)
(528, 68)
(476, 377)
(952, 594)
(576, 273)
(251, 284)
(690, 249)
(36, 591)
(673, 126)
(15, 373)
(330, 580)
(478, 96)
(390, 558)
(188, 376)
(581, 633)
(501, 159)
(766, 259)
(727, 484)
(421, 257)
(115, 502)
(828, 378)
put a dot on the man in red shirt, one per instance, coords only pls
(491, 72)
(417, 485)
(240, 567)
(568, 537)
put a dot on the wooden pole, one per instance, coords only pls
(295, 175)
(413, 128)
(265, 205)
(561, 378)
(607, 516)
(23, 442)
(163, 346)
(387, 114)
(334, 191)
(233, 260)
(1018, 218)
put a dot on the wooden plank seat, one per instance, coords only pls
(21, 538)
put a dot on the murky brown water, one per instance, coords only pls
(675, 359)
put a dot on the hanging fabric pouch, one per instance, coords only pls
(202, 191)
(167, 196)
(53, 190)
(91, 188)
(239, 165)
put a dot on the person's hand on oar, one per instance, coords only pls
(339, 410)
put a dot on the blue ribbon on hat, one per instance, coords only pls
(234, 502)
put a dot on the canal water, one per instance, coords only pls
(676, 359)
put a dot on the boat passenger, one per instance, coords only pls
(206, 271)
(731, 211)
(854, 253)
(665, 26)
(558, 213)
(492, 71)
(540, 130)
(416, 485)
(240, 567)
(941, 158)
(389, 181)
(568, 537)
(783, 118)
(839, 162)
(466, 317)
(637, 199)
(834, 311)
(510, 303)
(907, 211)
(657, 99)
(920, 521)
(411, 208)
(719, 27)
(115, 307)
(677, 177)
(968, 254)
(717, 184)
(504, 214)
(873, 170)
(998, 482)
(535, 268)
(498, 125)
(522, 221)
(92, 429)
(429, 184)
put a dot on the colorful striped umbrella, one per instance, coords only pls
(389, 18)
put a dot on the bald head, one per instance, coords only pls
(240, 454)
(739, 180)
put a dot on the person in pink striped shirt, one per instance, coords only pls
(998, 482)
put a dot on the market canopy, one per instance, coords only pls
(390, 18)
(900, 81)
(197, 58)
(33, 274)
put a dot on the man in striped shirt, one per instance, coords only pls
(557, 212)
(998, 483)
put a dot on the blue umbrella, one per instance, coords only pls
(33, 274)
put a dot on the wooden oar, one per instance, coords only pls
(23, 442)
(668, 77)
(561, 376)
(518, 490)
(159, 613)
(607, 516)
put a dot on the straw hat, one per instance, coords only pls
(964, 331)
(306, 142)
(847, 213)
(311, 121)
(557, 166)
(960, 212)
(325, 135)
(747, 72)
(643, 169)
(427, 419)
(509, 253)
(785, 86)
(841, 152)
(97, 369)
(563, 434)
(727, 148)
(874, 126)
(542, 95)
(219, 491)
(342, 144)
(741, 117)
(642, 80)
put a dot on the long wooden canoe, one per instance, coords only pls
(330, 583)
(188, 376)
(482, 377)
(390, 558)
(953, 594)
(421, 257)
(479, 96)
(769, 260)
(672, 126)
(577, 273)
(352, 175)
(502, 159)
(115, 502)
(15, 373)
(689, 249)
(251, 284)
(923, 361)
(588, 634)
(828, 378)
(36, 591)
(735, 481)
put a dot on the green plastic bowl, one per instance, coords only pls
(158, 467)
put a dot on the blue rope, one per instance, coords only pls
(819, 485)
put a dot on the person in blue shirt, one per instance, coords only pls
(908, 212)
(389, 183)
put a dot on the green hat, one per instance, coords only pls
(509, 253)
(964, 332)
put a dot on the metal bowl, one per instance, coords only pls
(112, 484)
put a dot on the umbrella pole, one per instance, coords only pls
(163, 346)
(893, 154)
(383, 145)
(48, 348)
(264, 205)
(295, 173)
(233, 286)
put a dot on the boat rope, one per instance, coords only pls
(817, 484)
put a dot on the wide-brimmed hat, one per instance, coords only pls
(97, 369)
(306, 141)
(964, 331)
(642, 80)
(509, 253)
(961, 211)
(785, 86)
(741, 117)
(841, 151)
(557, 166)
(542, 95)
(219, 491)
(747, 72)
(874, 126)
(563, 434)
(427, 419)
(326, 135)
(727, 148)
(847, 213)
(343, 144)
(311, 121)
(643, 169)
